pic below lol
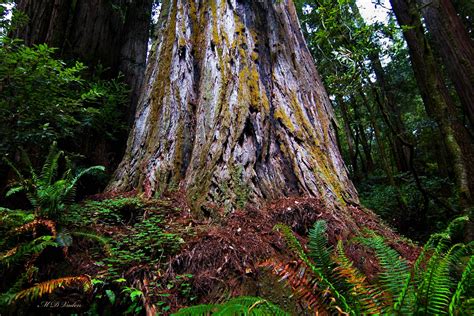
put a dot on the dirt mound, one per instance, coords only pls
(225, 254)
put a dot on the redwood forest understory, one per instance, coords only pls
(236, 157)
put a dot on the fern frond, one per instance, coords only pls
(369, 297)
(50, 166)
(456, 225)
(103, 241)
(435, 291)
(69, 191)
(7, 297)
(47, 287)
(27, 162)
(304, 285)
(29, 249)
(198, 310)
(15, 190)
(465, 285)
(51, 225)
(394, 269)
(14, 168)
(319, 250)
(12, 218)
(290, 239)
(247, 305)
(334, 289)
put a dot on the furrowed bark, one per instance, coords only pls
(233, 108)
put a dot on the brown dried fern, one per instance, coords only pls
(49, 224)
(303, 284)
(371, 298)
(47, 287)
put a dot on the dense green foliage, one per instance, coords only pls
(44, 99)
(30, 234)
(115, 253)
(392, 147)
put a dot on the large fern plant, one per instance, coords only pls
(29, 234)
(440, 282)
(48, 193)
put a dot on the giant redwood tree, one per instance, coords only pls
(112, 33)
(233, 108)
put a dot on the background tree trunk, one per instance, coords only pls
(112, 33)
(455, 47)
(352, 143)
(436, 98)
(233, 108)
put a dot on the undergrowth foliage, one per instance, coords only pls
(44, 99)
(28, 235)
(439, 282)
(48, 194)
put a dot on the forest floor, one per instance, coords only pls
(170, 258)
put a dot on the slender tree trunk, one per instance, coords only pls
(112, 33)
(387, 103)
(455, 47)
(379, 141)
(435, 96)
(232, 106)
(349, 136)
(363, 137)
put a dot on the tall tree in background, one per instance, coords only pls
(455, 46)
(232, 106)
(436, 96)
(112, 33)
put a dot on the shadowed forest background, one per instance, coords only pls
(262, 157)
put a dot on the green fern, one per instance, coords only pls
(319, 249)
(394, 269)
(435, 293)
(322, 276)
(47, 287)
(244, 305)
(104, 242)
(9, 296)
(465, 287)
(47, 195)
(367, 298)
(27, 250)
(291, 241)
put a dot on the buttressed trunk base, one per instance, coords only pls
(233, 109)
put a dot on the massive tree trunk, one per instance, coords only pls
(436, 98)
(113, 33)
(455, 47)
(233, 108)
